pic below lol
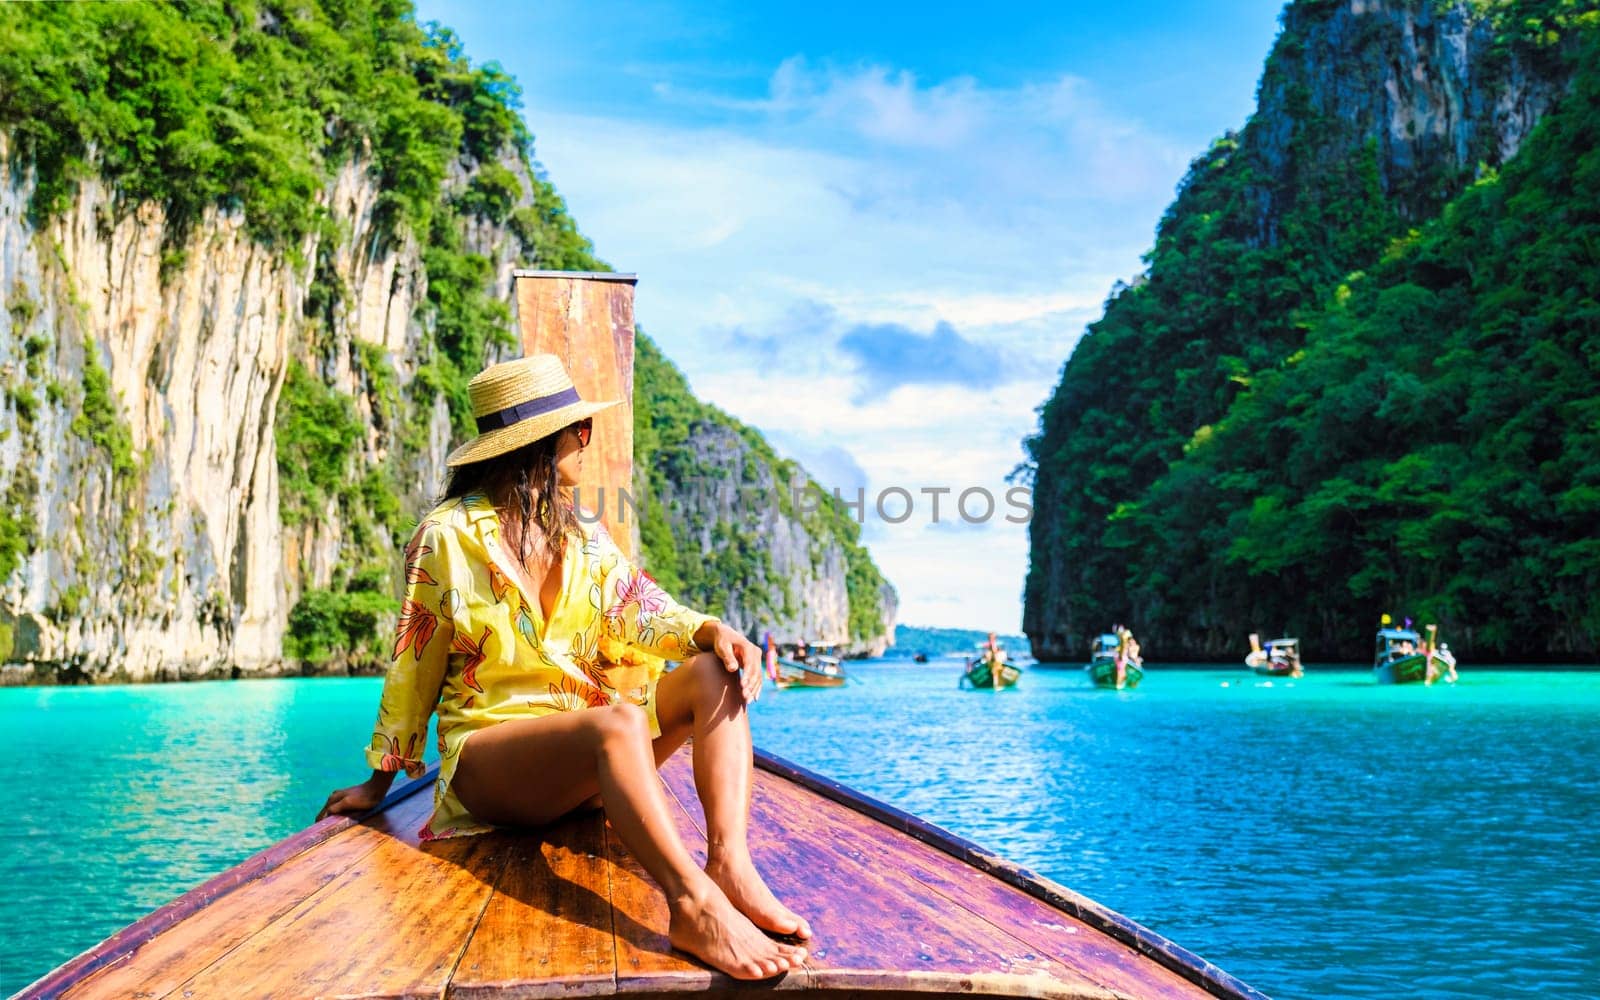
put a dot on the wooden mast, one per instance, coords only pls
(585, 318)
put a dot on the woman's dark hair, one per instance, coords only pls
(522, 485)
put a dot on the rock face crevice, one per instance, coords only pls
(142, 376)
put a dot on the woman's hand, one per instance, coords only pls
(359, 798)
(738, 655)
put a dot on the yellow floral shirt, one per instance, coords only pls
(472, 644)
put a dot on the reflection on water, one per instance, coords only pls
(1320, 837)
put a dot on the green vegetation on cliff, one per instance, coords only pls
(253, 107)
(317, 433)
(1435, 447)
(348, 623)
(1306, 417)
(244, 104)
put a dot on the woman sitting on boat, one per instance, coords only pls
(993, 654)
(994, 657)
(541, 647)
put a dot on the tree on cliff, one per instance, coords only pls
(1346, 384)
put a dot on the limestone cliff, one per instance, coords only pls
(1435, 89)
(177, 563)
(221, 415)
(1372, 115)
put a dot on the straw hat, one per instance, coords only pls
(517, 403)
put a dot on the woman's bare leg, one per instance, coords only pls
(527, 772)
(702, 697)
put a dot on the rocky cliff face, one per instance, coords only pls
(1371, 115)
(139, 435)
(761, 566)
(1433, 87)
(172, 561)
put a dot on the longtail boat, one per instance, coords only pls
(898, 908)
(1278, 658)
(801, 668)
(361, 907)
(819, 672)
(981, 673)
(810, 666)
(1114, 661)
(1404, 657)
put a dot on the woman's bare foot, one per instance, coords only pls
(749, 894)
(714, 932)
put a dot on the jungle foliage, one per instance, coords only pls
(1388, 406)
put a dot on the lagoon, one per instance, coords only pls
(1320, 837)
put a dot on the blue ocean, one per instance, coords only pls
(1322, 837)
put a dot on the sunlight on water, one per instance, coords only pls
(1321, 837)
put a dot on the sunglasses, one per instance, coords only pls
(585, 428)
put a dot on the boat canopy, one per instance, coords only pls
(1107, 640)
(1282, 642)
(1398, 634)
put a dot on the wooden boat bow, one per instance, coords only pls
(898, 907)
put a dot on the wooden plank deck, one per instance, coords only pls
(898, 907)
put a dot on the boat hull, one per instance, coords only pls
(1410, 670)
(1104, 675)
(979, 675)
(567, 911)
(798, 675)
(1277, 670)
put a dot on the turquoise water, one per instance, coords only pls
(1318, 838)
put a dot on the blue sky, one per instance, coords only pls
(876, 231)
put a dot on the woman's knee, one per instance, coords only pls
(622, 721)
(716, 689)
(709, 669)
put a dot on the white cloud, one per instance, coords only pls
(851, 197)
(881, 105)
(962, 580)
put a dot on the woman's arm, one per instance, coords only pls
(635, 609)
(411, 688)
(638, 612)
(359, 798)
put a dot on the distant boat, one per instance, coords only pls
(792, 674)
(1279, 658)
(1404, 657)
(920, 658)
(980, 673)
(807, 666)
(1114, 661)
(989, 668)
